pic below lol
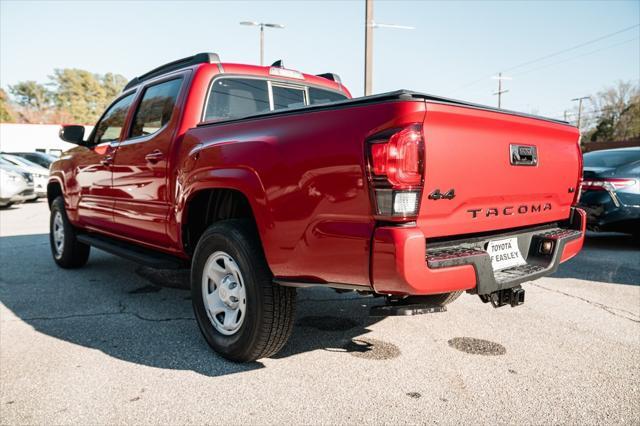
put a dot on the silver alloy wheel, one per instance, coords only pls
(58, 234)
(224, 293)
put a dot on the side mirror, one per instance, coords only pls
(72, 133)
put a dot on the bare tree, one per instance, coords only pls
(615, 113)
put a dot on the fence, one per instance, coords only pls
(597, 146)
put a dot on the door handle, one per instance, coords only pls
(107, 160)
(154, 156)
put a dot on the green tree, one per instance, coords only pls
(32, 95)
(79, 93)
(84, 95)
(113, 85)
(6, 114)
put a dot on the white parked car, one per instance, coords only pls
(16, 185)
(40, 174)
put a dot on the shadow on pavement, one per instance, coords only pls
(605, 257)
(142, 315)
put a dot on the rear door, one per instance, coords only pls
(504, 171)
(142, 201)
(93, 164)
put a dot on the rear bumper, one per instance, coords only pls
(403, 264)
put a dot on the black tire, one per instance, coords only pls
(434, 299)
(73, 253)
(270, 308)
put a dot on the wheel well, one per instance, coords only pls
(54, 190)
(209, 206)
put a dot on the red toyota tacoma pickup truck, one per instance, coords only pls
(264, 179)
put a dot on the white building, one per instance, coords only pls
(34, 137)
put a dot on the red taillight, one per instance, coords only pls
(396, 172)
(379, 158)
(400, 158)
(606, 184)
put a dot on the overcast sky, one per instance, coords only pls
(454, 50)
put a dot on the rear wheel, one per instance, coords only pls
(67, 251)
(241, 313)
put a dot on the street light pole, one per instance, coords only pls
(261, 45)
(369, 25)
(261, 25)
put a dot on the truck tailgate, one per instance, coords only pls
(468, 151)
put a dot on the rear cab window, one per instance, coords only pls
(287, 96)
(236, 97)
(321, 96)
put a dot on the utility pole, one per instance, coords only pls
(580, 108)
(369, 25)
(368, 48)
(499, 77)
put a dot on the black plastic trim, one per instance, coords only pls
(398, 95)
(200, 58)
(133, 252)
(330, 76)
(306, 284)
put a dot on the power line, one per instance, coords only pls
(559, 52)
(551, 55)
(578, 56)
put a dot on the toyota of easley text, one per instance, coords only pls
(265, 179)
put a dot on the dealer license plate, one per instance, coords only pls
(505, 253)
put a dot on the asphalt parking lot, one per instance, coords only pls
(115, 342)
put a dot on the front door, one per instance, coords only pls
(93, 163)
(142, 203)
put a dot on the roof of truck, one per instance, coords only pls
(277, 69)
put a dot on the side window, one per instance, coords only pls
(156, 108)
(110, 127)
(237, 97)
(287, 97)
(319, 96)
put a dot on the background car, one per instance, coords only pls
(40, 174)
(16, 185)
(40, 158)
(611, 190)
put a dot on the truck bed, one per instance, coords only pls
(314, 190)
